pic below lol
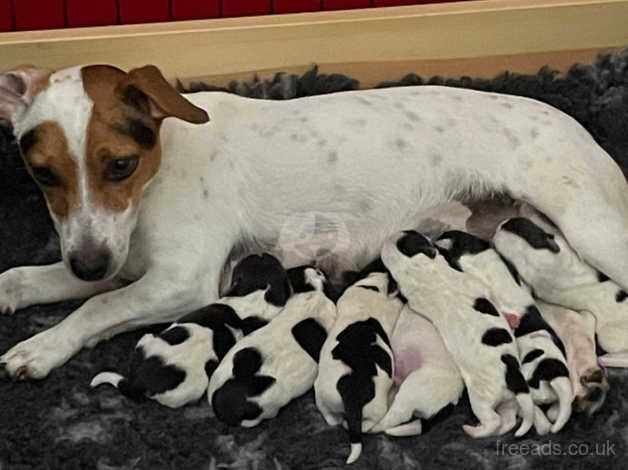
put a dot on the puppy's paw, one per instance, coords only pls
(11, 291)
(593, 392)
(35, 357)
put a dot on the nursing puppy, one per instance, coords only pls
(174, 366)
(426, 376)
(357, 366)
(477, 336)
(278, 362)
(577, 330)
(559, 276)
(544, 365)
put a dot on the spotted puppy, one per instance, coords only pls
(558, 275)
(174, 366)
(477, 336)
(544, 365)
(426, 376)
(577, 329)
(278, 362)
(356, 367)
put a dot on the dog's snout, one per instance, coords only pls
(90, 264)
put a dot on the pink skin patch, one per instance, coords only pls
(513, 320)
(406, 362)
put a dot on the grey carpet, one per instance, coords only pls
(60, 424)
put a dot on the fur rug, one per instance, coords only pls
(61, 424)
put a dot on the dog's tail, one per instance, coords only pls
(353, 413)
(526, 411)
(517, 384)
(132, 391)
(564, 393)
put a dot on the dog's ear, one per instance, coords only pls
(18, 87)
(146, 88)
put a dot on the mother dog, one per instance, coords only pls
(94, 137)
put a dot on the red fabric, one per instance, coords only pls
(38, 14)
(245, 7)
(6, 16)
(143, 11)
(295, 6)
(91, 13)
(195, 9)
(345, 4)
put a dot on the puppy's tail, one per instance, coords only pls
(564, 393)
(353, 413)
(127, 389)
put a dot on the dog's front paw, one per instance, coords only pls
(35, 357)
(11, 290)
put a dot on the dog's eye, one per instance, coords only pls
(121, 168)
(45, 176)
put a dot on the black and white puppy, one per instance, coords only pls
(426, 377)
(267, 369)
(559, 276)
(477, 336)
(357, 366)
(544, 365)
(174, 366)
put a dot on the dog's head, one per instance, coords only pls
(90, 138)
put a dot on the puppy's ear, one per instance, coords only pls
(18, 87)
(146, 89)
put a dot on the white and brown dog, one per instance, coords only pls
(477, 336)
(174, 367)
(161, 202)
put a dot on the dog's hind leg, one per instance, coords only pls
(31, 285)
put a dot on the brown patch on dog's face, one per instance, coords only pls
(46, 153)
(120, 130)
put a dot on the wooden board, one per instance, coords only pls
(479, 38)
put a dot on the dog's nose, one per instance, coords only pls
(91, 265)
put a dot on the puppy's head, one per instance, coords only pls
(403, 247)
(90, 138)
(261, 272)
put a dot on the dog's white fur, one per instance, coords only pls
(446, 297)
(512, 300)
(368, 162)
(283, 359)
(355, 305)
(433, 382)
(565, 279)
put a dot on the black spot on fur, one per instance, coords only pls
(532, 321)
(532, 234)
(462, 243)
(601, 277)
(514, 379)
(412, 243)
(496, 337)
(257, 272)
(28, 140)
(532, 355)
(230, 402)
(373, 288)
(548, 369)
(376, 266)
(149, 376)
(210, 366)
(483, 305)
(174, 336)
(141, 133)
(310, 335)
(249, 324)
(621, 296)
(217, 317)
